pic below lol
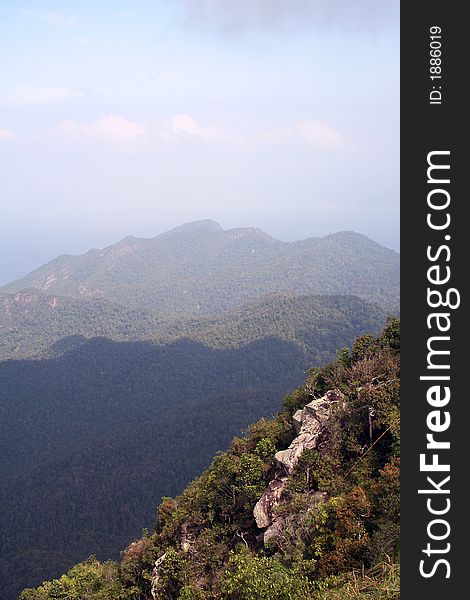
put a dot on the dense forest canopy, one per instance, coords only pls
(124, 370)
(36, 325)
(92, 437)
(339, 509)
(200, 269)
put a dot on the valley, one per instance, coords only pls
(125, 371)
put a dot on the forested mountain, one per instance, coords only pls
(31, 321)
(92, 438)
(287, 512)
(35, 324)
(200, 269)
(318, 324)
(122, 371)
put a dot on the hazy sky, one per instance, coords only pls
(130, 117)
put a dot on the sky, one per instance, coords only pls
(131, 117)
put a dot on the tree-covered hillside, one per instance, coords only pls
(289, 511)
(92, 438)
(124, 370)
(31, 321)
(313, 322)
(200, 269)
(34, 324)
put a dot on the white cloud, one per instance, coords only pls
(319, 135)
(111, 128)
(184, 125)
(81, 40)
(26, 94)
(48, 16)
(125, 15)
(246, 15)
(316, 134)
(6, 134)
(313, 133)
(181, 128)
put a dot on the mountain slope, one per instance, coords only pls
(288, 511)
(31, 321)
(91, 439)
(34, 324)
(200, 269)
(315, 323)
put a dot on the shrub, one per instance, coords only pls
(253, 577)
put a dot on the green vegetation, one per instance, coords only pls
(200, 269)
(381, 582)
(31, 322)
(37, 325)
(91, 439)
(148, 357)
(206, 542)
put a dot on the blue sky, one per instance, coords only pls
(128, 118)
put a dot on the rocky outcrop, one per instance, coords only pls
(264, 508)
(311, 427)
(309, 424)
(186, 539)
(156, 576)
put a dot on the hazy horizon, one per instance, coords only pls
(130, 118)
(6, 278)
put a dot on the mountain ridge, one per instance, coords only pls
(96, 433)
(304, 505)
(199, 268)
(33, 324)
(149, 355)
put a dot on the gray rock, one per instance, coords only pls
(264, 508)
(156, 576)
(310, 425)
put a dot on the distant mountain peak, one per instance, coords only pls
(348, 234)
(193, 226)
(201, 268)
